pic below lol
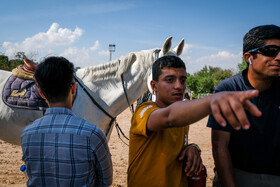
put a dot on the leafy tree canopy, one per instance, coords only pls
(8, 65)
(243, 65)
(205, 80)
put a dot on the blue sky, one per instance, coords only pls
(82, 30)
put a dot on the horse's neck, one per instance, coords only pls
(110, 94)
(111, 91)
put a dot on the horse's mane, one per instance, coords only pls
(114, 69)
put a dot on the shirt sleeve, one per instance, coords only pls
(103, 165)
(140, 118)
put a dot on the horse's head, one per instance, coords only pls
(165, 51)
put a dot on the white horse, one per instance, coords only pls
(106, 84)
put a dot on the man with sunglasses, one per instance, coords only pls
(252, 157)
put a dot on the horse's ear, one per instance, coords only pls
(125, 62)
(166, 46)
(133, 58)
(129, 59)
(179, 49)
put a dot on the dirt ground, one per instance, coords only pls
(10, 155)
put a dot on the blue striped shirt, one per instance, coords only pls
(61, 149)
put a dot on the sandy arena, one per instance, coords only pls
(10, 155)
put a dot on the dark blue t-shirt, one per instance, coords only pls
(257, 149)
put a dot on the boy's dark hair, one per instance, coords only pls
(55, 76)
(257, 36)
(166, 62)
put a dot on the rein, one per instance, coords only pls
(125, 93)
(113, 119)
(156, 52)
(130, 106)
(100, 107)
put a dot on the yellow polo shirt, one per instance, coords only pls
(153, 160)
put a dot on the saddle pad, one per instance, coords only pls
(21, 93)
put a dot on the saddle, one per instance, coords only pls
(29, 66)
(26, 70)
(20, 90)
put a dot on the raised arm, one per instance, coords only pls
(231, 105)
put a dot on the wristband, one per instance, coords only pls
(196, 146)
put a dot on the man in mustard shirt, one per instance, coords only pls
(158, 146)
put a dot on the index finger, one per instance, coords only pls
(239, 115)
(252, 108)
(246, 95)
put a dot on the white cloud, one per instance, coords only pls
(223, 59)
(95, 46)
(187, 48)
(185, 56)
(84, 57)
(58, 41)
(221, 55)
(55, 36)
(63, 41)
(70, 51)
(104, 53)
(45, 41)
(80, 57)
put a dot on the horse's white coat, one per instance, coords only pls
(104, 84)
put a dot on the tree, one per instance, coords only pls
(205, 80)
(4, 62)
(20, 56)
(192, 83)
(220, 75)
(14, 63)
(243, 65)
(9, 65)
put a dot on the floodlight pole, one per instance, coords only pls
(112, 48)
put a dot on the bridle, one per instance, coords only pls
(96, 103)
(156, 54)
(130, 106)
(113, 119)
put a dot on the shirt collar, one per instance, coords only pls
(59, 110)
(274, 85)
(246, 80)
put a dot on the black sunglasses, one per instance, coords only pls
(267, 50)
